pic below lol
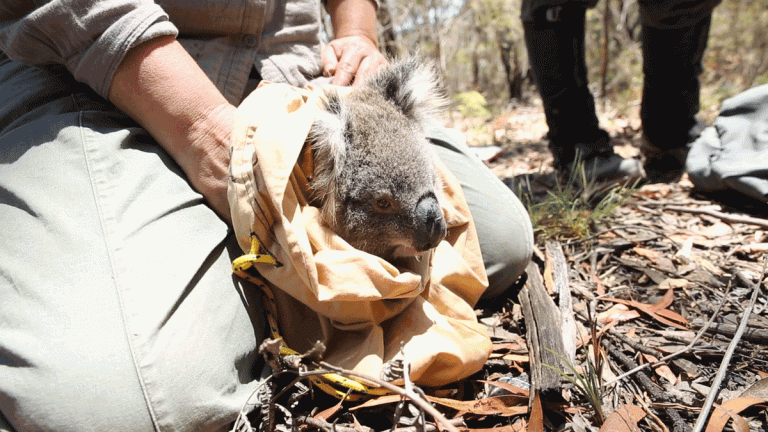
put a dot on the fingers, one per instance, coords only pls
(351, 59)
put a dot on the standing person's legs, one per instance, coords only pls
(502, 223)
(554, 37)
(674, 39)
(118, 309)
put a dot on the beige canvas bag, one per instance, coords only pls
(365, 310)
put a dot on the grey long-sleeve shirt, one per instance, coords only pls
(280, 38)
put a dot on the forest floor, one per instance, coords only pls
(667, 273)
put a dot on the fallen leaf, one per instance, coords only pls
(506, 405)
(508, 387)
(752, 248)
(717, 229)
(623, 419)
(657, 310)
(730, 410)
(661, 370)
(329, 412)
(617, 312)
(648, 253)
(519, 426)
(673, 283)
(536, 420)
(381, 400)
(686, 249)
(758, 389)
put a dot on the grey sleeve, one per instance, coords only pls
(88, 37)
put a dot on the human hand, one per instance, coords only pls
(351, 59)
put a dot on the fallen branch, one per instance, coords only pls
(731, 218)
(753, 335)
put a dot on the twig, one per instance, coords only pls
(242, 423)
(715, 389)
(763, 223)
(678, 424)
(414, 397)
(325, 426)
(679, 352)
(429, 427)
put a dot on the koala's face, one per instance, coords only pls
(375, 168)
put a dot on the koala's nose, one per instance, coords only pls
(431, 223)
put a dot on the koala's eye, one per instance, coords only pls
(383, 204)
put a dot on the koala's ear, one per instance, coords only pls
(414, 85)
(328, 138)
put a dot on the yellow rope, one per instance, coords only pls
(334, 384)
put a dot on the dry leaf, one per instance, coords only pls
(617, 312)
(657, 310)
(381, 400)
(730, 410)
(718, 229)
(758, 389)
(623, 419)
(536, 420)
(753, 248)
(673, 283)
(507, 405)
(519, 426)
(648, 253)
(686, 249)
(662, 370)
(329, 412)
(508, 387)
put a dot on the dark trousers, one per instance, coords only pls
(674, 38)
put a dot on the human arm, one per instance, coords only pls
(125, 50)
(354, 53)
(159, 85)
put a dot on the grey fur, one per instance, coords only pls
(374, 168)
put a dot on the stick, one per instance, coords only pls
(704, 414)
(763, 223)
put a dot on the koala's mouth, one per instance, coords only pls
(405, 251)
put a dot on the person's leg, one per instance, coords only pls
(554, 37)
(674, 39)
(503, 225)
(118, 307)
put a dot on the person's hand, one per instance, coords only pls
(353, 55)
(351, 59)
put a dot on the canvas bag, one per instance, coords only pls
(365, 310)
(732, 155)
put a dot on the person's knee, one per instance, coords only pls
(506, 247)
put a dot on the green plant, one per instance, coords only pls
(588, 382)
(572, 210)
(472, 104)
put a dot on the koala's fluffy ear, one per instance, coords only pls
(327, 136)
(414, 85)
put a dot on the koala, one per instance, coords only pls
(374, 170)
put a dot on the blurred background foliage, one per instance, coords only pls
(479, 46)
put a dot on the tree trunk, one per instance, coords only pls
(511, 63)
